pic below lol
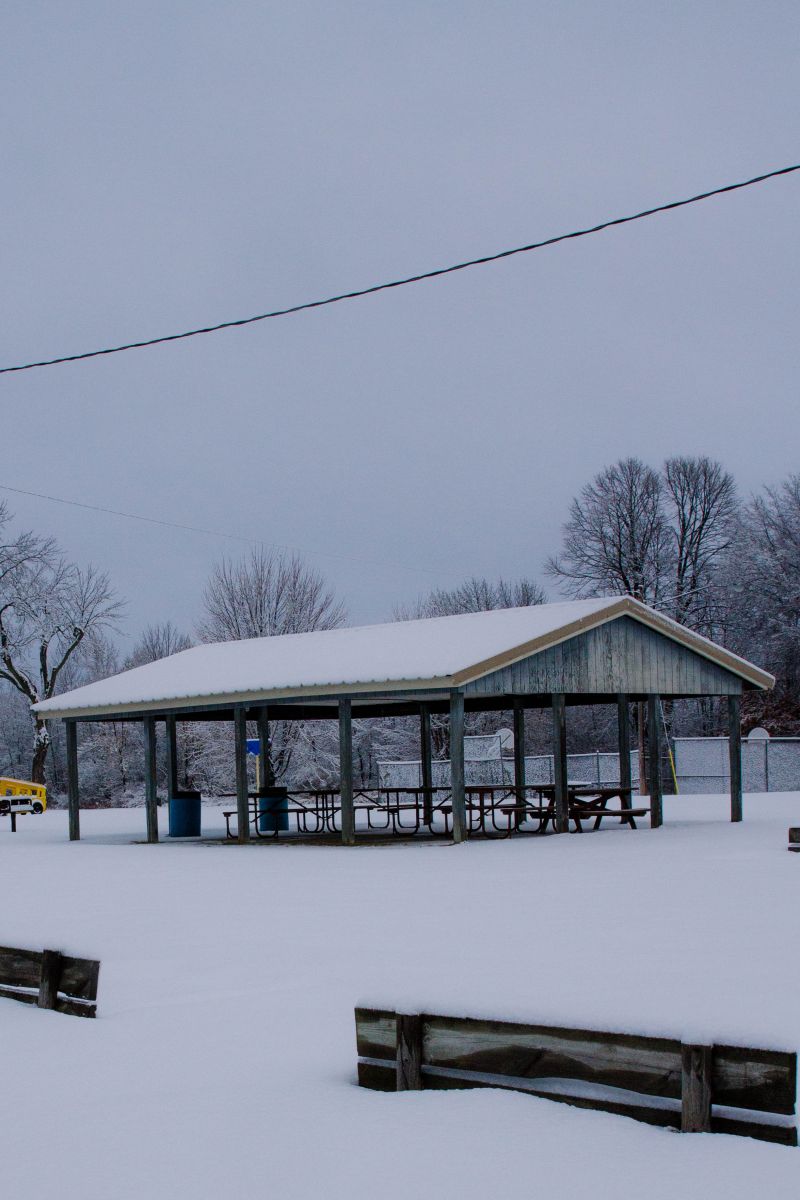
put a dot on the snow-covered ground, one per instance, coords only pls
(222, 1062)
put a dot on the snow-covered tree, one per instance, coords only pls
(48, 606)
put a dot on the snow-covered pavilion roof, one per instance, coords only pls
(435, 653)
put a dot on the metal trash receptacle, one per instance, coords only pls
(273, 809)
(184, 814)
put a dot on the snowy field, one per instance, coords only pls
(222, 1062)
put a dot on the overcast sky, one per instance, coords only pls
(171, 164)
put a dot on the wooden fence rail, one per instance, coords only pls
(693, 1086)
(50, 979)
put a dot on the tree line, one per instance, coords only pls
(678, 536)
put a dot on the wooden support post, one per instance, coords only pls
(425, 764)
(560, 763)
(172, 757)
(641, 709)
(519, 760)
(654, 762)
(73, 799)
(409, 1053)
(624, 743)
(266, 774)
(150, 784)
(735, 751)
(49, 979)
(242, 791)
(346, 772)
(457, 795)
(696, 1067)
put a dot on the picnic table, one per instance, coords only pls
(312, 812)
(318, 811)
(491, 810)
(588, 801)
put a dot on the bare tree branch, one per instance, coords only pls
(157, 641)
(474, 595)
(264, 594)
(616, 537)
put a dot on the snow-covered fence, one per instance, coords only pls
(50, 979)
(768, 765)
(399, 1052)
(600, 767)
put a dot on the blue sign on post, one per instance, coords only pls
(253, 745)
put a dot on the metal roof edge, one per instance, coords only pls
(232, 699)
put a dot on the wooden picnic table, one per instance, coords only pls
(491, 810)
(589, 801)
(399, 810)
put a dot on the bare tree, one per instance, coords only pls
(701, 497)
(474, 595)
(616, 538)
(264, 594)
(766, 578)
(48, 606)
(661, 537)
(157, 641)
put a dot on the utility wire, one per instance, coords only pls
(115, 512)
(396, 283)
(240, 537)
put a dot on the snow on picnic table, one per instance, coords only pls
(222, 1062)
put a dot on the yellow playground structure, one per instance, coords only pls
(19, 796)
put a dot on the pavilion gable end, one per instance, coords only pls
(619, 656)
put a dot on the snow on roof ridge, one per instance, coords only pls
(341, 629)
(598, 601)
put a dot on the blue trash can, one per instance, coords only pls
(273, 809)
(184, 814)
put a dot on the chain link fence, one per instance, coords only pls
(701, 765)
(600, 767)
(768, 765)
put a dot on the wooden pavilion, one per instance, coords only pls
(609, 650)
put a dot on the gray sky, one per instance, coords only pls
(173, 164)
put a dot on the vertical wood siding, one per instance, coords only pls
(621, 656)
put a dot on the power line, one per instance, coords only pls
(114, 512)
(397, 283)
(241, 537)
